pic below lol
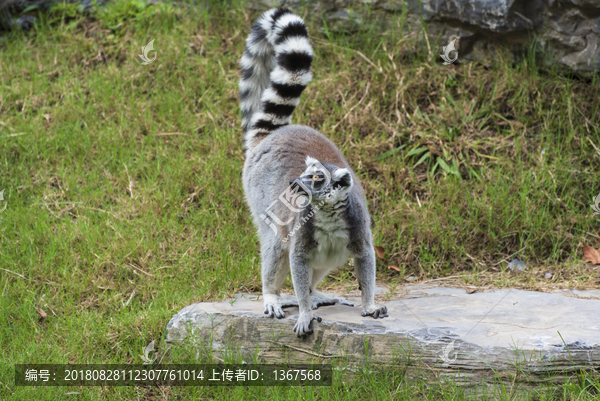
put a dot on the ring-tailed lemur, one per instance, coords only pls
(305, 199)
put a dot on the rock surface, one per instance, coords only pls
(449, 332)
(563, 32)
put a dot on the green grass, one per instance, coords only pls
(123, 178)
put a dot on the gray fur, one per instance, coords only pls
(311, 215)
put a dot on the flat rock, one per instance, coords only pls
(499, 334)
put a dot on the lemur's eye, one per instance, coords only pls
(315, 177)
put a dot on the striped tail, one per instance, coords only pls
(275, 71)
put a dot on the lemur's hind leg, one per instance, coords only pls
(275, 268)
(318, 298)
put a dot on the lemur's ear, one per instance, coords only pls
(342, 177)
(310, 161)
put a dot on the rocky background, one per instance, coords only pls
(563, 32)
(21, 14)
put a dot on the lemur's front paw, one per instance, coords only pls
(273, 306)
(304, 324)
(376, 311)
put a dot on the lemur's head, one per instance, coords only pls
(323, 183)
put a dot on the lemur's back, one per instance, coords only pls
(280, 157)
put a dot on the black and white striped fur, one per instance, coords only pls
(307, 203)
(275, 71)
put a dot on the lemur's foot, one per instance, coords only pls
(304, 324)
(318, 299)
(375, 311)
(288, 301)
(273, 306)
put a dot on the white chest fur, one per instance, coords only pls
(331, 234)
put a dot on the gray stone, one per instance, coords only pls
(498, 16)
(517, 265)
(587, 3)
(499, 334)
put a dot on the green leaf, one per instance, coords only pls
(470, 117)
(450, 99)
(416, 151)
(390, 152)
(481, 124)
(443, 165)
(435, 166)
(422, 159)
(455, 168)
(31, 8)
(474, 173)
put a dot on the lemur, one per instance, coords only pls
(307, 203)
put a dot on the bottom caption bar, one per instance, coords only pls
(41, 375)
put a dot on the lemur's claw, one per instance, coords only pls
(375, 312)
(304, 324)
(274, 311)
